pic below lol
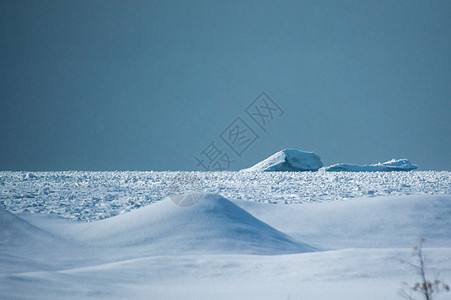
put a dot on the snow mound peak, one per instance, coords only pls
(288, 160)
(213, 225)
(392, 165)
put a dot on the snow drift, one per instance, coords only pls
(23, 245)
(367, 222)
(213, 225)
(392, 165)
(14, 231)
(289, 160)
(141, 254)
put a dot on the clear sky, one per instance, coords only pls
(148, 85)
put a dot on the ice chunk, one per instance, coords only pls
(392, 165)
(289, 160)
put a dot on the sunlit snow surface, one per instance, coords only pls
(344, 242)
(92, 196)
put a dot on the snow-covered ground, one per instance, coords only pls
(272, 236)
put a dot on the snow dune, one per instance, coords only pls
(19, 233)
(213, 225)
(23, 245)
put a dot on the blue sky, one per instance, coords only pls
(149, 85)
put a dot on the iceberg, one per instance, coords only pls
(288, 160)
(389, 166)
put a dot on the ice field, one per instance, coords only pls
(91, 196)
